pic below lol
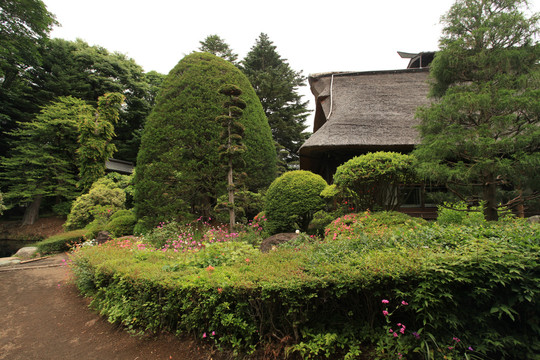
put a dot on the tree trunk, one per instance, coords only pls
(520, 208)
(232, 215)
(32, 212)
(489, 195)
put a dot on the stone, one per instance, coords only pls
(9, 261)
(103, 236)
(26, 252)
(534, 219)
(275, 240)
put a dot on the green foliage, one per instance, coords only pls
(61, 242)
(42, 159)
(95, 135)
(291, 201)
(324, 298)
(215, 45)
(121, 225)
(459, 214)
(483, 131)
(276, 85)
(24, 25)
(373, 180)
(102, 201)
(87, 72)
(173, 181)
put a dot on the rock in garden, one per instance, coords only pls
(276, 240)
(103, 236)
(534, 219)
(26, 252)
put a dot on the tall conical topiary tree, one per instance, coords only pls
(179, 171)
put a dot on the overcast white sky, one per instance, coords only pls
(314, 36)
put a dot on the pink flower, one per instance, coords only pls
(456, 339)
(213, 333)
(390, 330)
(395, 335)
(385, 313)
(384, 301)
(404, 303)
(204, 335)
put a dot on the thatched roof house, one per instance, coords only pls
(359, 112)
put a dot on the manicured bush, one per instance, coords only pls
(121, 225)
(61, 242)
(324, 299)
(292, 200)
(374, 179)
(178, 167)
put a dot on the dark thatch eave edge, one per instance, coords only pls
(360, 73)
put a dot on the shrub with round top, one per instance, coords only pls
(179, 172)
(292, 199)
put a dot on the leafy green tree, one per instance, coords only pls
(95, 140)
(179, 171)
(373, 180)
(215, 45)
(233, 148)
(483, 132)
(42, 162)
(24, 25)
(87, 72)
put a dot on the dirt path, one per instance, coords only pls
(43, 317)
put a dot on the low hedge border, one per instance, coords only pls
(326, 298)
(61, 242)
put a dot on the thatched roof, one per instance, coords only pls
(366, 110)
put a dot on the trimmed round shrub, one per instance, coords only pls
(121, 225)
(291, 201)
(372, 180)
(179, 171)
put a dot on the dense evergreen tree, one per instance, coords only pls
(484, 130)
(178, 167)
(43, 163)
(214, 44)
(276, 85)
(24, 25)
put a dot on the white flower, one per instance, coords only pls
(297, 231)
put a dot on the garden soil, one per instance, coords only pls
(44, 317)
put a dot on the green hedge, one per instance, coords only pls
(61, 242)
(482, 287)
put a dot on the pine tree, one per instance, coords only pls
(277, 85)
(215, 45)
(232, 148)
(484, 131)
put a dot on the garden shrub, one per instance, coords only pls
(324, 299)
(104, 199)
(61, 242)
(172, 182)
(373, 179)
(121, 225)
(292, 200)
